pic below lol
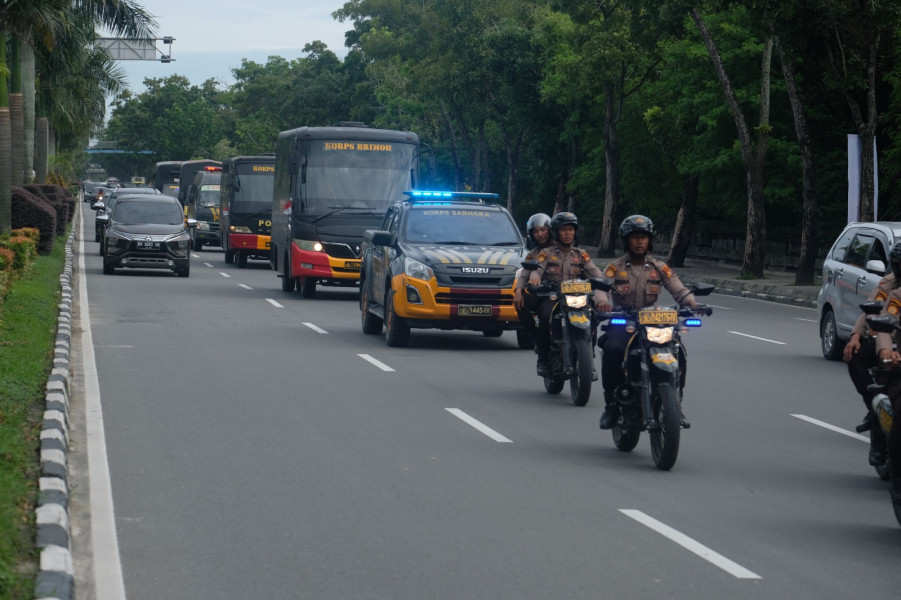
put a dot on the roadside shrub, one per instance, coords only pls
(7, 260)
(56, 201)
(24, 251)
(29, 211)
(61, 194)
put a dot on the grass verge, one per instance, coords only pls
(28, 324)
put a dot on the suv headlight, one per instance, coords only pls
(203, 226)
(417, 270)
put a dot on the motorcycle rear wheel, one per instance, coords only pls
(665, 440)
(580, 380)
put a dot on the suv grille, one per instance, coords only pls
(494, 297)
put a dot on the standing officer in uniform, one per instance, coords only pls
(559, 262)
(539, 230)
(860, 354)
(638, 278)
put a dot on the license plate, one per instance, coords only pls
(352, 265)
(658, 317)
(474, 310)
(148, 245)
(575, 287)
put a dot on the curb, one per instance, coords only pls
(56, 574)
(782, 295)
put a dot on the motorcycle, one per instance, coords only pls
(651, 397)
(880, 376)
(571, 355)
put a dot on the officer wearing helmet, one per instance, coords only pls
(558, 262)
(637, 281)
(860, 354)
(538, 228)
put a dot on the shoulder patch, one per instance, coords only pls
(542, 255)
(880, 295)
(667, 271)
(894, 306)
(610, 272)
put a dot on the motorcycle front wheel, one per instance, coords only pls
(665, 440)
(554, 385)
(625, 438)
(883, 471)
(580, 380)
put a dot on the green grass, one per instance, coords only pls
(28, 323)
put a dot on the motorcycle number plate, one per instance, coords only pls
(575, 287)
(658, 317)
(474, 310)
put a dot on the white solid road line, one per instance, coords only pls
(754, 337)
(316, 329)
(691, 545)
(108, 581)
(375, 362)
(826, 425)
(478, 425)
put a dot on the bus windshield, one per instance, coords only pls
(350, 178)
(254, 195)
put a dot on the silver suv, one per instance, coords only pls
(852, 268)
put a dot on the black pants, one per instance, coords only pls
(530, 306)
(893, 389)
(543, 337)
(859, 369)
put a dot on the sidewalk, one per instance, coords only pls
(776, 286)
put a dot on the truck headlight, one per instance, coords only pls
(417, 270)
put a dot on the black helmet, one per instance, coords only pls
(537, 220)
(561, 219)
(633, 224)
(894, 259)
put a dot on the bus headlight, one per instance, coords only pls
(417, 270)
(310, 245)
(239, 228)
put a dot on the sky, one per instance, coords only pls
(212, 36)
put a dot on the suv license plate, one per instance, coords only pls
(474, 310)
(148, 245)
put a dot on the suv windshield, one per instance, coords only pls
(209, 195)
(460, 226)
(157, 213)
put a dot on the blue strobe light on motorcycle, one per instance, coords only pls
(692, 322)
(618, 321)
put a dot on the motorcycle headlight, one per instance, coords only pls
(417, 270)
(576, 301)
(660, 335)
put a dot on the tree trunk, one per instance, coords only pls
(866, 128)
(611, 188)
(28, 95)
(685, 222)
(41, 149)
(807, 259)
(5, 159)
(16, 114)
(755, 238)
(455, 152)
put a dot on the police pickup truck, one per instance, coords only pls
(441, 260)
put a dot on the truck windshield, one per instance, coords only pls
(208, 195)
(459, 226)
(254, 195)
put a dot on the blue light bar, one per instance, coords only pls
(618, 321)
(692, 322)
(419, 195)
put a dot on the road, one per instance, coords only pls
(259, 445)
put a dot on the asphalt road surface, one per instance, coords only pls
(259, 445)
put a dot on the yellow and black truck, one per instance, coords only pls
(245, 204)
(198, 191)
(441, 260)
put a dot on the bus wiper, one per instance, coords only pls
(334, 210)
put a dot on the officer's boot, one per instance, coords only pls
(541, 366)
(895, 485)
(611, 411)
(877, 446)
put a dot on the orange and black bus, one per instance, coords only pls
(245, 203)
(332, 184)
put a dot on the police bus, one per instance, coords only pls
(245, 203)
(166, 177)
(332, 184)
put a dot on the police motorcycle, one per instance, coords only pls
(571, 355)
(880, 377)
(651, 397)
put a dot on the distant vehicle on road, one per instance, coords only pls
(166, 177)
(147, 232)
(854, 265)
(245, 203)
(331, 184)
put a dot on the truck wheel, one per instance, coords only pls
(397, 332)
(288, 282)
(308, 289)
(371, 323)
(242, 258)
(229, 257)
